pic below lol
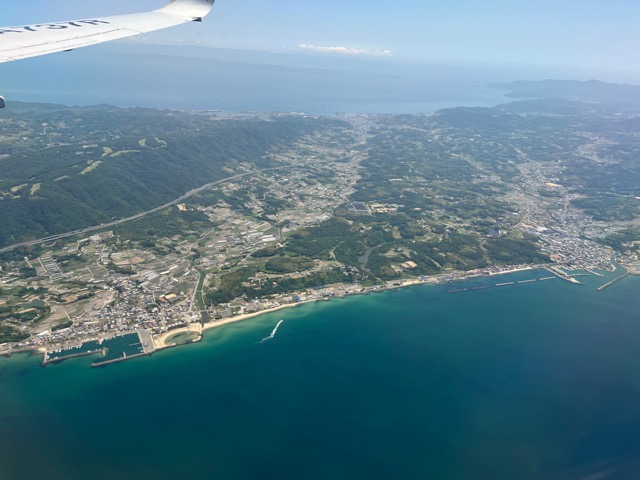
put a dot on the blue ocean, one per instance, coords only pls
(536, 380)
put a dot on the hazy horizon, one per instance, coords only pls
(330, 56)
(130, 75)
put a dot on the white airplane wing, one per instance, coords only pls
(27, 41)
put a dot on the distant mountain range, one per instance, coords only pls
(588, 91)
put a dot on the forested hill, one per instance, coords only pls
(65, 168)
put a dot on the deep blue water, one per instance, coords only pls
(532, 381)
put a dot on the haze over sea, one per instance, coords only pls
(532, 381)
(233, 80)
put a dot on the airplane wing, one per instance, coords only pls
(27, 41)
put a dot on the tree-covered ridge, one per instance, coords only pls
(68, 168)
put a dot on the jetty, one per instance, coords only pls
(458, 290)
(608, 284)
(563, 275)
(117, 360)
(593, 272)
(273, 333)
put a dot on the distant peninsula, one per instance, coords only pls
(587, 91)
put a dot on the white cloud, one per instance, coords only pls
(345, 50)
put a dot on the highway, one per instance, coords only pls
(102, 226)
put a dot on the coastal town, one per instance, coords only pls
(245, 246)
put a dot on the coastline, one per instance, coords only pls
(392, 285)
(159, 340)
(324, 348)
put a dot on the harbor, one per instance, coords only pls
(138, 343)
(113, 349)
(74, 351)
(557, 273)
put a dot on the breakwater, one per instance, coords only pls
(608, 284)
(503, 284)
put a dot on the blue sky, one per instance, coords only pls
(597, 35)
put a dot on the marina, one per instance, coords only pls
(112, 350)
(82, 350)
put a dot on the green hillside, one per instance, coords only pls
(67, 168)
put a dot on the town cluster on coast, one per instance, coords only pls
(189, 327)
(164, 340)
(193, 331)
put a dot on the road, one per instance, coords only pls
(102, 226)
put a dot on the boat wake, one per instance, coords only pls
(273, 333)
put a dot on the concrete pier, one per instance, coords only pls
(608, 284)
(563, 275)
(593, 272)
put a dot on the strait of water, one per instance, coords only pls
(532, 381)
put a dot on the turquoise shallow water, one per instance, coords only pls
(532, 381)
